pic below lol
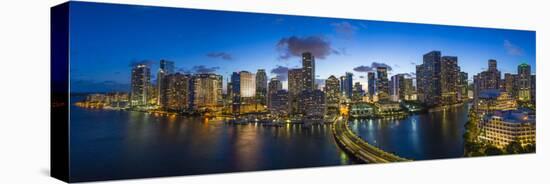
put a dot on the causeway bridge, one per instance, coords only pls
(358, 147)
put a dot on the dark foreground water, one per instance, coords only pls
(123, 144)
(419, 137)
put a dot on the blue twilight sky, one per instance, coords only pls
(106, 40)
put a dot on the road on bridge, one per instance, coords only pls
(358, 147)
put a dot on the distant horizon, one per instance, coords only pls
(105, 46)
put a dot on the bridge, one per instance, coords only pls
(358, 147)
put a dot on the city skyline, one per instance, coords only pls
(271, 42)
(188, 91)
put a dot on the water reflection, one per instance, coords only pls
(123, 144)
(423, 136)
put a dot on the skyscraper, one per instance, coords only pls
(463, 86)
(247, 84)
(261, 87)
(235, 94)
(308, 69)
(358, 92)
(207, 92)
(382, 83)
(166, 68)
(509, 84)
(427, 76)
(332, 93)
(397, 87)
(450, 76)
(177, 92)
(371, 84)
(311, 104)
(274, 86)
(279, 103)
(295, 87)
(487, 80)
(437, 79)
(141, 76)
(347, 85)
(524, 82)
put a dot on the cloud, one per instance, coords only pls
(281, 72)
(372, 67)
(345, 29)
(205, 69)
(512, 49)
(362, 68)
(295, 46)
(139, 62)
(221, 55)
(183, 70)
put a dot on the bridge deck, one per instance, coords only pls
(360, 148)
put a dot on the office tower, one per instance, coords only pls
(279, 103)
(524, 82)
(371, 82)
(382, 83)
(261, 87)
(450, 76)
(312, 104)
(177, 92)
(274, 86)
(509, 84)
(428, 79)
(332, 93)
(487, 80)
(358, 92)
(247, 84)
(398, 87)
(207, 92)
(141, 75)
(308, 69)
(347, 85)
(463, 86)
(166, 68)
(235, 95)
(295, 86)
(409, 90)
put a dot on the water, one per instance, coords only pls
(124, 144)
(432, 135)
(109, 144)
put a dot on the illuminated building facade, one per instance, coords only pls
(332, 92)
(295, 87)
(247, 84)
(177, 92)
(503, 127)
(165, 68)
(308, 69)
(274, 86)
(382, 83)
(280, 106)
(312, 104)
(140, 83)
(207, 92)
(261, 87)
